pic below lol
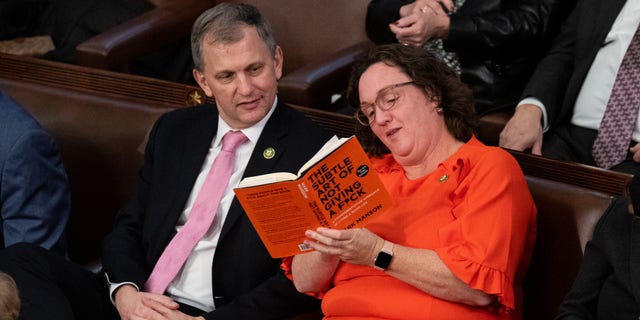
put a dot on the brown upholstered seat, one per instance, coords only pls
(99, 120)
(319, 38)
(567, 215)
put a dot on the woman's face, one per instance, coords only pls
(413, 126)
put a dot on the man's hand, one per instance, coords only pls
(636, 152)
(421, 21)
(523, 130)
(134, 305)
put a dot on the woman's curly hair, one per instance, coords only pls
(440, 83)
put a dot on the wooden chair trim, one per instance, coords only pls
(590, 177)
(96, 81)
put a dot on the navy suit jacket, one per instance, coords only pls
(247, 282)
(608, 284)
(559, 76)
(34, 192)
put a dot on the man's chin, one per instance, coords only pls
(251, 116)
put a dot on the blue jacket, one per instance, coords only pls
(34, 193)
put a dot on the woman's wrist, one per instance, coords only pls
(383, 258)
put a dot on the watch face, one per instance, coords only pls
(383, 260)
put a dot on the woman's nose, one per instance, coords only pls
(382, 116)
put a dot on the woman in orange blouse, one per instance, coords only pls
(459, 238)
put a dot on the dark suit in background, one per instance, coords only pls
(608, 284)
(559, 76)
(34, 191)
(246, 280)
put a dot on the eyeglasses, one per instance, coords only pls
(385, 100)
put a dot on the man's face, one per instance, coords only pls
(242, 77)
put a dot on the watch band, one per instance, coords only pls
(384, 257)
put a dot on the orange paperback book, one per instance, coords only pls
(337, 188)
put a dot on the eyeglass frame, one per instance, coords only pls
(359, 112)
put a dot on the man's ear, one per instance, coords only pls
(202, 82)
(279, 62)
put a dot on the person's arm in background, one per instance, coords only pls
(525, 128)
(422, 21)
(510, 30)
(490, 32)
(547, 85)
(35, 198)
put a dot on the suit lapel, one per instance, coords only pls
(605, 13)
(271, 137)
(189, 159)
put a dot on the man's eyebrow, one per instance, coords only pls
(255, 64)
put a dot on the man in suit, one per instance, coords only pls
(567, 95)
(607, 285)
(229, 273)
(34, 192)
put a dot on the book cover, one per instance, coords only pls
(337, 188)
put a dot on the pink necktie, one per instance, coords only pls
(614, 136)
(200, 217)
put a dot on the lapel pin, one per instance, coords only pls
(269, 153)
(444, 178)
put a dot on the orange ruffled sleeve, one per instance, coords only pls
(494, 230)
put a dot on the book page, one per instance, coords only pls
(333, 143)
(326, 149)
(267, 179)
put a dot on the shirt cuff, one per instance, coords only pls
(114, 286)
(539, 104)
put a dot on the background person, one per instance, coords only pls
(34, 190)
(9, 298)
(606, 285)
(572, 86)
(460, 236)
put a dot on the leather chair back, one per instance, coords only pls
(308, 30)
(100, 121)
(567, 215)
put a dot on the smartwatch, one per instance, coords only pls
(383, 259)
